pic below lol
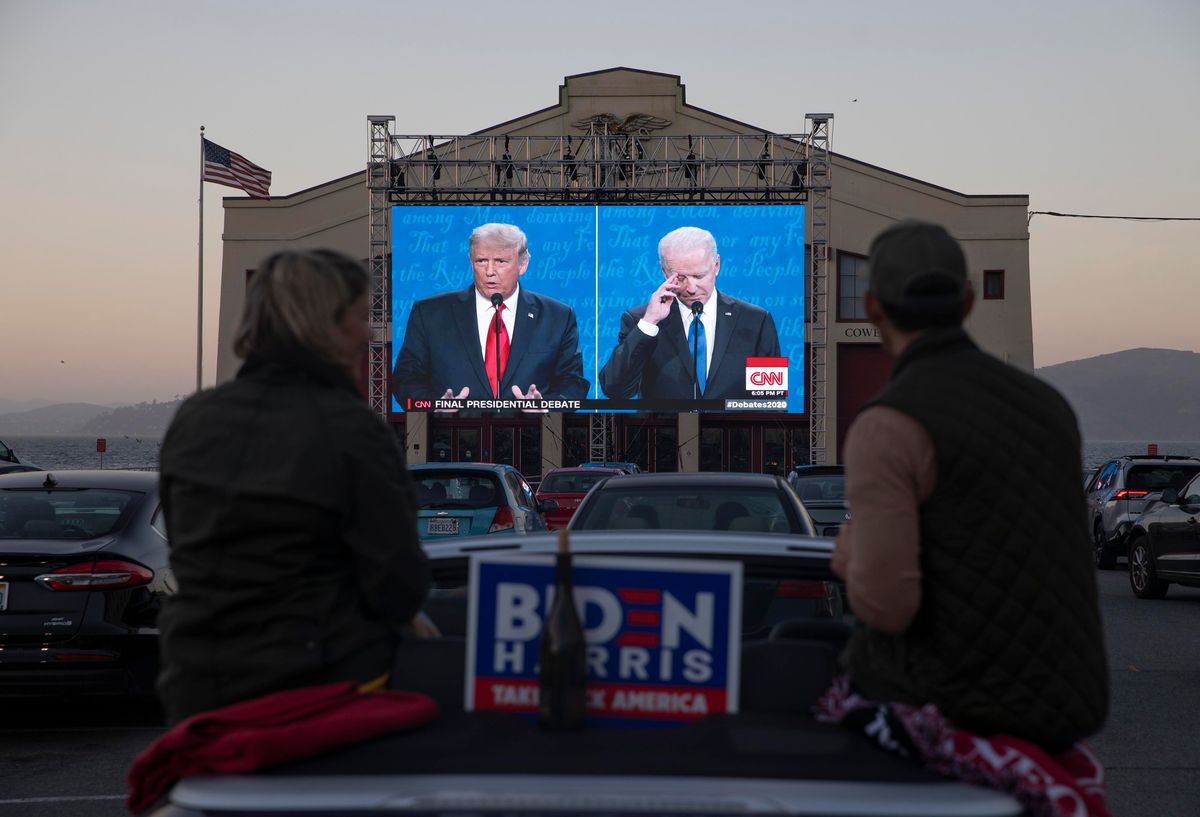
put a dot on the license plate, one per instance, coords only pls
(443, 526)
(3, 596)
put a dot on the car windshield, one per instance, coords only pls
(63, 514)
(570, 483)
(673, 508)
(458, 489)
(1158, 477)
(819, 487)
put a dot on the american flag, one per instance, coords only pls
(234, 170)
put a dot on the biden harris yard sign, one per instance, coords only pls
(663, 635)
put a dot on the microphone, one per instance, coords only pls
(497, 300)
(697, 308)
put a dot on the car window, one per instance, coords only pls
(159, 521)
(457, 489)
(825, 486)
(63, 514)
(519, 490)
(674, 508)
(1105, 480)
(576, 483)
(1158, 477)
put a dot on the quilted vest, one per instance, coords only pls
(1008, 636)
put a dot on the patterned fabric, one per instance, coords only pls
(1008, 638)
(1069, 784)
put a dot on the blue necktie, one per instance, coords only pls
(701, 350)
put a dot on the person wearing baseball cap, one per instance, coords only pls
(967, 560)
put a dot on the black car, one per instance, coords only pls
(1164, 543)
(83, 572)
(822, 489)
(694, 501)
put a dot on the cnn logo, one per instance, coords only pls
(767, 373)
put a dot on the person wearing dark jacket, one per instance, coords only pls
(291, 516)
(967, 559)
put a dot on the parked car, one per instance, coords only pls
(567, 487)
(822, 489)
(694, 501)
(10, 463)
(770, 757)
(627, 467)
(1164, 543)
(474, 499)
(83, 574)
(1117, 494)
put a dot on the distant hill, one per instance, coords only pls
(57, 418)
(144, 420)
(1137, 394)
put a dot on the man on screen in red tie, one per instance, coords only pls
(496, 339)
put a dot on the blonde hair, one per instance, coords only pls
(506, 235)
(296, 298)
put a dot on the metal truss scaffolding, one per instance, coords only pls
(820, 170)
(380, 215)
(601, 166)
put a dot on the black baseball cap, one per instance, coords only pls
(918, 269)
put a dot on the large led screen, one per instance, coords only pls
(611, 308)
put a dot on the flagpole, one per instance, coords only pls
(200, 274)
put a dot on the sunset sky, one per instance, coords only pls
(1089, 107)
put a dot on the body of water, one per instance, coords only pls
(80, 452)
(142, 452)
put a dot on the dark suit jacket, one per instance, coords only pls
(441, 350)
(661, 366)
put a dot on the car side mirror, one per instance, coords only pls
(1170, 496)
(548, 505)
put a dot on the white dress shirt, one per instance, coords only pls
(485, 313)
(708, 318)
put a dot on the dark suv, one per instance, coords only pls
(1117, 494)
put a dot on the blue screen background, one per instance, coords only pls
(761, 249)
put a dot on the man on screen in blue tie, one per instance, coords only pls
(495, 339)
(685, 315)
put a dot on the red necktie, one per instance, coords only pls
(489, 355)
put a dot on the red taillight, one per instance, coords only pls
(1126, 493)
(102, 575)
(798, 589)
(503, 520)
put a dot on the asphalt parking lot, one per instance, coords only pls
(59, 759)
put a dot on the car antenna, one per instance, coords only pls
(50, 482)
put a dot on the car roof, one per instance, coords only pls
(1160, 459)
(659, 542)
(495, 468)
(72, 478)
(582, 470)
(695, 479)
(815, 470)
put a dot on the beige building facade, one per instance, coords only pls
(864, 199)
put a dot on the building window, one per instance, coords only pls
(993, 285)
(852, 286)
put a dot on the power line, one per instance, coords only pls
(1033, 213)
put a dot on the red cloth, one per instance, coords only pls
(1070, 784)
(279, 728)
(489, 355)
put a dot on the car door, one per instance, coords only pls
(1100, 489)
(1176, 535)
